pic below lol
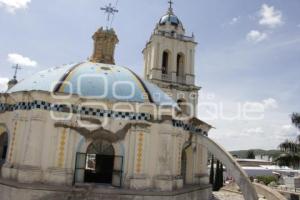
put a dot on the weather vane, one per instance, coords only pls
(17, 67)
(110, 11)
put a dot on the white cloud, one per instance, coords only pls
(287, 127)
(270, 103)
(13, 5)
(298, 25)
(15, 58)
(234, 20)
(287, 132)
(265, 104)
(3, 84)
(252, 131)
(270, 16)
(256, 36)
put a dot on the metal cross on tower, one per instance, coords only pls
(110, 11)
(17, 67)
(171, 3)
(170, 7)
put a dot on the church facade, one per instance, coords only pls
(95, 123)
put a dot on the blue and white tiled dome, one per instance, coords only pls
(96, 81)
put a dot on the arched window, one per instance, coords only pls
(165, 62)
(180, 64)
(3, 146)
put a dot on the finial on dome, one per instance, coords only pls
(105, 40)
(104, 46)
(170, 11)
(14, 81)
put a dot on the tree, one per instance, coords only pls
(218, 183)
(291, 149)
(250, 154)
(296, 120)
(221, 176)
(212, 172)
(217, 178)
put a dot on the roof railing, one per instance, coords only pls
(175, 36)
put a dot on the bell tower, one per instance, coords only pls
(169, 61)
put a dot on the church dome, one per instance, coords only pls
(96, 81)
(170, 18)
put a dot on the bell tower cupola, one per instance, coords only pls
(169, 58)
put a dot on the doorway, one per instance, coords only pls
(3, 147)
(99, 162)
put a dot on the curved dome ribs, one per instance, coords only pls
(63, 79)
(143, 84)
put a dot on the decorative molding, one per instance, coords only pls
(13, 142)
(94, 112)
(61, 149)
(139, 154)
(42, 105)
(100, 133)
(179, 159)
(186, 127)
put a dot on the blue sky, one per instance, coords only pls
(248, 53)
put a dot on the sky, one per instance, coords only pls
(248, 54)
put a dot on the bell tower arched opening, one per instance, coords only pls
(165, 62)
(180, 65)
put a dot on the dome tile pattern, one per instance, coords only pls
(95, 81)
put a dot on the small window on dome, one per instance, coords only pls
(106, 68)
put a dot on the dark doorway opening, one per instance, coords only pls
(3, 147)
(102, 171)
(100, 162)
(99, 165)
(165, 62)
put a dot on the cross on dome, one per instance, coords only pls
(171, 3)
(110, 11)
(170, 7)
(17, 68)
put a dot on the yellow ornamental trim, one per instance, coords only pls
(61, 148)
(139, 155)
(13, 142)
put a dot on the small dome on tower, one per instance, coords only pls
(170, 18)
